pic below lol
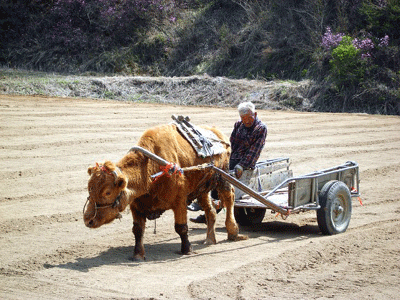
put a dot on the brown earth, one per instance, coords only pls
(46, 252)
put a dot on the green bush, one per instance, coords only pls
(345, 62)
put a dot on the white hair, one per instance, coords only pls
(246, 108)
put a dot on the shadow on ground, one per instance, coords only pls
(168, 249)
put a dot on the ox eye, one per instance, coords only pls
(108, 193)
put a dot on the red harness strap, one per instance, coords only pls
(102, 168)
(167, 170)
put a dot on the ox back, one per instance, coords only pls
(203, 141)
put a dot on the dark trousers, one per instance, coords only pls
(233, 163)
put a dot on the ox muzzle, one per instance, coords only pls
(90, 222)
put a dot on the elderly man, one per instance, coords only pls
(247, 141)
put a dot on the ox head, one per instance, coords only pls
(108, 195)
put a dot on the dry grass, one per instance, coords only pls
(193, 90)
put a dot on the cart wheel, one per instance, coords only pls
(248, 216)
(334, 215)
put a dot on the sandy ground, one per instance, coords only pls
(46, 252)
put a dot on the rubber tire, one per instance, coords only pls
(335, 213)
(249, 216)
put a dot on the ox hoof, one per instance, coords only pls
(138, 258)
(187, 251)
(238, 237)
(210, 242)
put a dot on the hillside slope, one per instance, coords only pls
(349, 50)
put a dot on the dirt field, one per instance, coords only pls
(46, 252)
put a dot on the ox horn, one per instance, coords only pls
(115, 173)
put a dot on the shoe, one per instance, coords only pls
(201, 219)
(194, 206)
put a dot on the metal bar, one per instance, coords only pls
(251, 192)
(327, 171)
(358, 182)
(274, 160)
(347, 165)
(150, 155)
(295, 194)
(304, 208)
(315, 192)
(313, 189)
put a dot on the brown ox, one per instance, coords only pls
(113, 187)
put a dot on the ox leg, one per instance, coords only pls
(209, 211)
(226, 194)
(182, 230)
(139, 225)
(181, 227)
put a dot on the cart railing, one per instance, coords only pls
(304, 190)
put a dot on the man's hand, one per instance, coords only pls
(238, 171)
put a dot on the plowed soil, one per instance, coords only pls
(46, 252)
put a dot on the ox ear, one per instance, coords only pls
(121, 182)
(91, 170)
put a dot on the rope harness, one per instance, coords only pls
(96, 207)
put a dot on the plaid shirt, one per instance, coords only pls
(247, 143)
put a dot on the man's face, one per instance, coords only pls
(248, 119)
